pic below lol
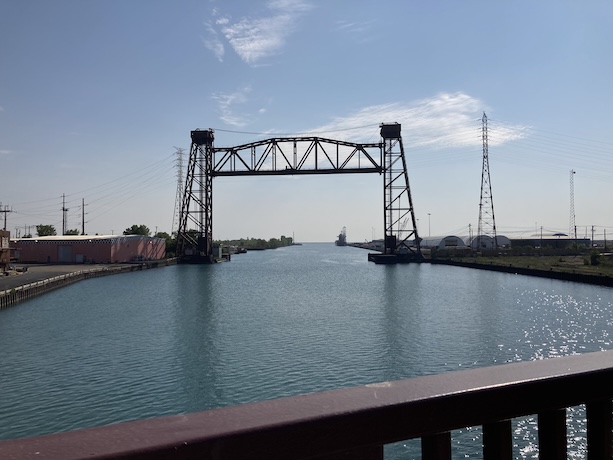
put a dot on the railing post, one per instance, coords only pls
(436, 447)
(552, 435)
(498, 441)
(599, 429)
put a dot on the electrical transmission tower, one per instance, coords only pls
(572, 227)
(487, 222)
(64, 215)
(179, 196)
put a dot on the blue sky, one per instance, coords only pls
(96, 95)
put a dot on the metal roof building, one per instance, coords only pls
(78, 249)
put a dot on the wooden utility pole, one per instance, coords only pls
(5, 210)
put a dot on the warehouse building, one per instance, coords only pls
(79, 249)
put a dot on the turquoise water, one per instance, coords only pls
(276, 323)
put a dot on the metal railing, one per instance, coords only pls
(357, 422)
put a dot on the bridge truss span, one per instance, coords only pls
(295, 156)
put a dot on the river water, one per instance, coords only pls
(276, 323)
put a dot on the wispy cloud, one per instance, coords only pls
(213, 43)
(360, 32)
(5, 152)
(255, 38)
(445, 120)
(228, 103)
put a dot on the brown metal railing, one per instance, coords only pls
(356, 422)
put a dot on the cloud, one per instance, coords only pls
(445, 120)
(255, 38)
(361, 32)
(227, 103)
(5, 152)
(213, 43)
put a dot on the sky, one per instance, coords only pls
(97, 96)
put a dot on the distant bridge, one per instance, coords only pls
(295, 156)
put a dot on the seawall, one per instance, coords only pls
(20, 293)
(600, 280)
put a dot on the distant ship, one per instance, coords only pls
(342, 238)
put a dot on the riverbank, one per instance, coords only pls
(569, 268)
(31, 280)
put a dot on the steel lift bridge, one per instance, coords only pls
(293, 156)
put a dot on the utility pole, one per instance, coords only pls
(592, 236)
(82, 216)
(5, 210)
(541, 237)
(429, 225)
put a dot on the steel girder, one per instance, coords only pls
(296, 155)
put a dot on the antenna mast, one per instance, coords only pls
(487, 222)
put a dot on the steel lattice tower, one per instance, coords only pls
(179, 196)
(572, 228)
(398, 203)
(487, 222)
(196, 244)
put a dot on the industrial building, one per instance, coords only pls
(79, 249)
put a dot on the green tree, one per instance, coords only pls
(74, 231)
(171, 243)
(137, 230)
(45, 230)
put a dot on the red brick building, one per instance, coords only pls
(89, 249)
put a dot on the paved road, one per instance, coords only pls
(42, 272)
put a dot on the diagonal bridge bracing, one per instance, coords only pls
(295, 156)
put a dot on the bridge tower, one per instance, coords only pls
(399, 223)
(195, 244)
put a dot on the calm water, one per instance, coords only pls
(275, 323)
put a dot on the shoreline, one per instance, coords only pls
(40, 279)
(600, 280)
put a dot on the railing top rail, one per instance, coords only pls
(327, 422)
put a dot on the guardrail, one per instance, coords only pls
(356, 422)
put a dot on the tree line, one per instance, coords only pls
(171, 240)
(258, 243)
